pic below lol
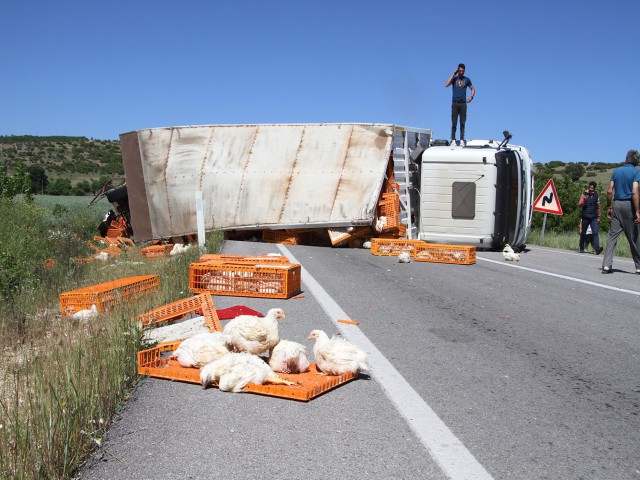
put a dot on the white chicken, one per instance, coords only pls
(404, 257)
(86, 314)
(201, 349)
(234, 371)
(511, 257)
(289, 357)
(179, 248)
(256, 335)
(381, 223)
(102, 256)
(507, 249)
(336, 356)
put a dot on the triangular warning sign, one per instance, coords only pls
(548, 201)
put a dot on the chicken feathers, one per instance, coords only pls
(234, 371)
(201, 349)
(336, 356)
(252, 334)
(289, 357)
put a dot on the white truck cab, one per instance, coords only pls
(475, 194)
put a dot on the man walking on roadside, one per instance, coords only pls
(625, 213)
(459, 100)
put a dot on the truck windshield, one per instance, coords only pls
(508, 197)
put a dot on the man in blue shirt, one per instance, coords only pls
(625, 213)
(459, 101)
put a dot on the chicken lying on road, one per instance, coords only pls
(336, 356)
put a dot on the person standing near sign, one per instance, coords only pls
(459, 100)
(625, 211)
(590, 204)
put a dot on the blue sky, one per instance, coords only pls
(561, 75)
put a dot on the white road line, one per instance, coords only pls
(587, 256)
(564, 277)
(448, 452)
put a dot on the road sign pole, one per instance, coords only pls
(544, 224)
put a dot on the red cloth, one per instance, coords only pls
(233, 312)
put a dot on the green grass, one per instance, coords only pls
(571, 241)
(72, 202)
(62, 380)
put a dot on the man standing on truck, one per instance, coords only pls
(460, 100)
(625, 214)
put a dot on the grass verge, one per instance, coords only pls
(62, 380)
(571, 241)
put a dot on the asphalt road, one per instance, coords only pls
(531, 370)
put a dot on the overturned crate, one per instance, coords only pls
(153, 251)
(395, 246)
(309, 385)
(458, 254)
(285, 237)
(244, 280)
(340, 236)
(389, 208)
(108, 295)
(181, 309)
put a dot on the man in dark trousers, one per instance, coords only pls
(625, 212)
(459, 101)
(590, 204)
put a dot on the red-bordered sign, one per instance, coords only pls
(548, 201)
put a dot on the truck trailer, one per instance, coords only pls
(313, 176)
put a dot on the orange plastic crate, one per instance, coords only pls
(309, 384)
(398, 232)
(389, 207)
(153, 251)
(260, 280)
(432, 252)
(338, 236)
(107, 295)
(283, 236)
(248, 259)
(394, 246)
(181, 308)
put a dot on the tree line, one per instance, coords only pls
(570, 180)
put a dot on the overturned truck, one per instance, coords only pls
(345, 177)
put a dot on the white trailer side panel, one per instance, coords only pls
(259, 176)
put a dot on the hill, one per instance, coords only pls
(63, 165)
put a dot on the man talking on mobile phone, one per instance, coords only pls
(590, 204)
(459, 102)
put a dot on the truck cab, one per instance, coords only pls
(477, 194)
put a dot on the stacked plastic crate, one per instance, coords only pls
(247, 276)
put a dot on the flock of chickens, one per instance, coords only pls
(235, 357)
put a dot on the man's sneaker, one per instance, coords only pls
(581, 251)
(452, 142)
(606, 269)
(464, 142)
(598, 251)
(637, 271)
